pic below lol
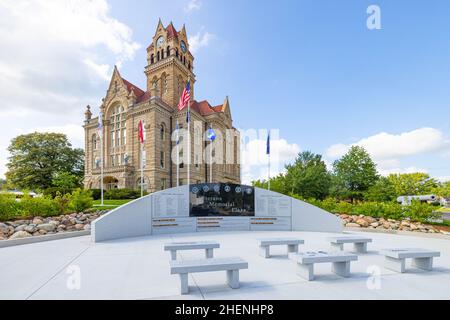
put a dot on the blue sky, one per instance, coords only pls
(313, 70)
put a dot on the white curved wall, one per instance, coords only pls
(168, 212)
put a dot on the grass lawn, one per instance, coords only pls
(109, 204)
(443, 209)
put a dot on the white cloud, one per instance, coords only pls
(193, 5)
(388, 149)
(200, 40)
(55, 58)
(385, 146)
(254, 160)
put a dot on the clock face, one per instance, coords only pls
(160, 41)
(183, 46)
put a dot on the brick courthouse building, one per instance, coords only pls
(169, 65)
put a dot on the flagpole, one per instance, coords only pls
(268, 160)
(269, 170)
(210, 159)
(189, 138)
(178, 155)
(142, 169)
(101, 160)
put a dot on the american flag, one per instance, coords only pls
(141, 132)
(185, 96)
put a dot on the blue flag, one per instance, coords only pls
(211, 135)
(268, 144)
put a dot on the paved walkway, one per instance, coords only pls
(139, 269)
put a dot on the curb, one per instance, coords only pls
(402, 233)
(37, 239)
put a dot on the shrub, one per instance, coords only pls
(419, 211)
(122, 194)
(53, 191)
(96, 194)
(81, 200)
(62, 202)
(39, 206)
(9, 207)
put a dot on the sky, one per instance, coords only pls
(310, 69)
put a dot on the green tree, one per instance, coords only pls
(66, 181)
(354, 174)
(382, 191)
(409, 184)
(37, 157)
(308, 176)
(81, 200)
(443, 190)
(277, 184)
(2, 184)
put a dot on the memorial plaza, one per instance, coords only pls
(138, 268)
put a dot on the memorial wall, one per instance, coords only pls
(212, 207)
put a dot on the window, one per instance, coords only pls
(181, 182)
(162, 159)
(168, 51)
(163, 184)
(162, 132)
(152, 59)
(124, 136)
(158, 56)
(94, 142)
(176, 52)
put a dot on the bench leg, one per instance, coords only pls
(397, 265)
(306, 271)
(233, 278)
(360, 247)
(337, 246)
(173, 254)
(292, 248)
(209, 253)
(423, 263)
(184, 286)
(264, 252)
(341, 268)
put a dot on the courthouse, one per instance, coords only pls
(169, 66)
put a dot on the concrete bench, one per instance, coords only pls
(230, 265)
(306, 260)
(421, 258)
(208, 246)
(291, 243)
(359, 243)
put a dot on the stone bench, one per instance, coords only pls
(306, 260)
(421, 258)
(208, 246)
(359, 243)
(291, 243)
(230, 265)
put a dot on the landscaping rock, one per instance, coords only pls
(20, 235)
(353, 225)
(30, 228)
(87, 227)
(37, 221)
(362, 222)
(47, 227)
(79, 226)
(3, 228)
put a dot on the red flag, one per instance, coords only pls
(141, 132)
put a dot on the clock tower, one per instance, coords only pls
(169, 64)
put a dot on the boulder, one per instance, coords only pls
(42, 232)
(20, 235)
(3, 228)
(87, 227)
(352, 225)
(47, 227)
(374, 224)
(362, 222)
(37, 221)
(370, 219)
(30, 228)
(20, 228)
(79, 226)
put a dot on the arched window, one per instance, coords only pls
(162, 53)
(143, 183)
(176, 52)
(158, 56)
(189, 65)
(162, 132)
(94, 142)
(184, 60)
(152, 59)
(168, 51)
